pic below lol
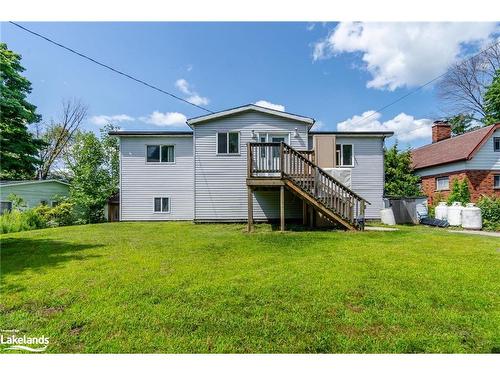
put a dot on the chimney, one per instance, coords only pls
(441, 130)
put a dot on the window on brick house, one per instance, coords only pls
(496, 144)
(496, 181)
(443, 183)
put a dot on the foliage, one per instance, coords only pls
(17, 221)
(436, 198)
(492, 101)
(490, 211)
(92, 168)
(18, 147)
(18, 203)
(60, 215)
(399, 178)
(111, 149)
(462, 123)
(212, 288)
(459, 191)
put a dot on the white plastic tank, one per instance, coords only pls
(387, 216)
(441, 212)
(455, 214)
(471, 217)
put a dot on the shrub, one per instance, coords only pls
(16, 221)
(459, 191)
(60, 215)
(490, 210)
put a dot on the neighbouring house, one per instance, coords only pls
(251, 163)
(33, 192)
(474, 155)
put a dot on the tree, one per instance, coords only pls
(461, 123)
(492, 101)
(111, 148)
(93, 164)
(459, 191)
(399, 178)
(58, 135)
(18, 147)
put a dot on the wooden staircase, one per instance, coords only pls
(281, 165)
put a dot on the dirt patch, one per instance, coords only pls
(50, 311)
(76, 329)
(355, 308)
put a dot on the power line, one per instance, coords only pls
(109, 67)
(422, 86)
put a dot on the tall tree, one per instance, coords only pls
(462, 89)
(58, 135)
(18, 147)
(399, 178)
(492, 101)
(94, 169)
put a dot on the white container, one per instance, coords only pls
(455, 214)
(387, 216)
(441, 212)
(471, 217)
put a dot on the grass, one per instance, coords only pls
(184, 288)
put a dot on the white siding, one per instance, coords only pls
(445, 168)
(367, 175)
(220, 180)
(485, 158)
(141, 182)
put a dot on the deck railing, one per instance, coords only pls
(272, 160)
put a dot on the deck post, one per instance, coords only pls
(282, 208)
(250, 209)
(311, 217)
(304, 213)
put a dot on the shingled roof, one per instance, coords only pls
(461, 147)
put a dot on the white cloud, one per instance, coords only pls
(193, 97)
(406, 128)
(310, 26)
(104, 119)
(265, 103)
(165, 119)
(404, 54)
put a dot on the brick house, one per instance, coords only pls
(475, 155)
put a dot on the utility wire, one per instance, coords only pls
(422, 86)
(110, 68)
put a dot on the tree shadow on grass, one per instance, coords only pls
(20, 254)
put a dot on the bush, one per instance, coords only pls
(459, 191)
(490, 210)
(17, 221)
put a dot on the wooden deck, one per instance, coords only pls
(277, 165)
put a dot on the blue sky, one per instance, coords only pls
(331, 72)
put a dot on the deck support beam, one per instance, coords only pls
(304, 213)
(250, 209)
(282, 208)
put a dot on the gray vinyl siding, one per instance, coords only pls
(486, 158)
(34, 193)
(141, 182)
(220, 180)
(367, 175)
(442, 169)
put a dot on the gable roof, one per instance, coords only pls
(249, 107)
(461, 147)
(26, 182)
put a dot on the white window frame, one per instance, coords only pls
(496, 139)
(340, 163)
(496, 177)
(161, 205)
(227, 140)
(442, 178)
(160, 145)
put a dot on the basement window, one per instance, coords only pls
(496, 181)
(162, 204)
(443, 183)
(5, 207)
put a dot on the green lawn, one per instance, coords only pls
(183, 288)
